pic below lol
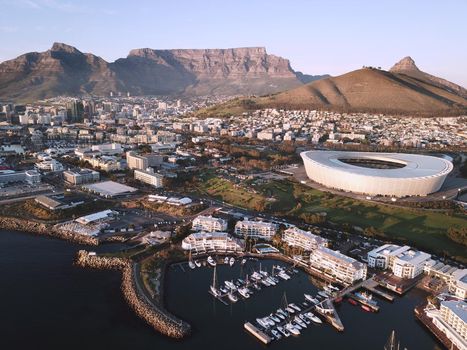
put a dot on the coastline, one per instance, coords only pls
(44, 229)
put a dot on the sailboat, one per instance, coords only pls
(231, 261)
(392, 343)
(191, 263)
(213, 287)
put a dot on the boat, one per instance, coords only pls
(292, 329)
(274, 318)
(366, 308)
(197, 263)
(290, 310)
(233, 298)
(334, 287)
(243, 261)
(323, 294)
(243, 292)
(276, 334)
(226, 260)
(295, 307)
(284, 331)
(269, 321)
(304, 319)
(296, 325)
(215, 291)
(351, 301)
(224, 290)
(266, 283)
(299, 321)
(271, 281)
(239, 280)
(211, 261)
(262, 323)
(281, 312)
(281, 316)
(255, 286)
(192, 265)
(311, 299)
(230, 285)
(312, 317)
(231, 261)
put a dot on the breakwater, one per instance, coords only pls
(153, 313)
(44, 229)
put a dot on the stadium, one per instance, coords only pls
(385, 174)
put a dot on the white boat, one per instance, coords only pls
(270, 281)
(295, 307)
(262, 323)
(323, 294)
(226, 260)
(300, 322)
(274, 318)
(292, 329)
(230, 285)
(214, 291)
(266, 283)
(284, 331)
(269, 321)
(223, 290)
(243, 292)
(290, 310)
(276, 334)
(313, 317)
(281, 312)
(192, 265)
(310, 298)
(197, 263)
(304, 318)
(231, 261)
(232, 297)
(211, 261)
(243, 261)
(281, 316)
(296, 325)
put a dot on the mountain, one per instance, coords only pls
(64, 70)
(402, 90)
(407, 67)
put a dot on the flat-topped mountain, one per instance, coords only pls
(64, 70)
(402, 90)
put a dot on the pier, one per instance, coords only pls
(331, 316)
(371, 285)
(263, 337)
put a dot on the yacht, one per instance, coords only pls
(192, 265)
(323, 294)
(231, 261)
(262, 323)
(255, 286)
(312, 317)
(276, 334)
(214, 291)
(269, 321)
(271, 281)
(226, 260)
(274, 318)
(295, 307)
(230, 285)
(304, 319)
(266, 283)
(281, 316)
(292, 329)
(197, 263)
(281, 312)
(299, 321)
(211, 261)
(310, 298)
(284, 331)
(243, 292)
(232, 297)
(243, 261)
(223, 290)
(290, 310)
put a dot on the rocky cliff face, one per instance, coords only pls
(408, 67)
(65, 70)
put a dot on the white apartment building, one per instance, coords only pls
(458, 283)
(451, 319)
(255, 229)
(81, 177)
(208, 224)
(149, 177)
(337, 266)
(49, 165)
(296, 237)
(404, 262)
(142, 162)
(202, 242)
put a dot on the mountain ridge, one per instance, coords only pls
(65, 70)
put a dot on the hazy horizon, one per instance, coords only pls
(318, 38)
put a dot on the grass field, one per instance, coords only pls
(422, 228)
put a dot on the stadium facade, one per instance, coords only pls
(370, 173)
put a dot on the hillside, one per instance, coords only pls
(363, 90)
(64, 70)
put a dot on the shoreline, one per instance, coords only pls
(44, 229)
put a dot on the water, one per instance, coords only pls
(47, 303)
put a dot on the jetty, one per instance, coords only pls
(329, 312)
(259, 334)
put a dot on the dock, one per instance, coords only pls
(332, 316)
(371, 285)
(219, 297)
(263, 337)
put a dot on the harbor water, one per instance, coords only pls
(47, 303)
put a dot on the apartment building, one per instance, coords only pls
(209, 224)
(255, 229)
(306, 240)
(149, 177)
(142, 162)
(82, 176)
(338, 266)
(202, 242)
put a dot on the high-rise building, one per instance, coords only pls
(74, 111)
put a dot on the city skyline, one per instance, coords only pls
(374, 35)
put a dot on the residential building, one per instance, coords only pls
(150, 177)
(81, 176)
(142, 162)
(404, 262)
(451, 319)
(295, 237)
(458, 283)
(338, 266)
(209, 224)
(255, 229)
(202, 242)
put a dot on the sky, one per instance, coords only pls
(318, 37)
